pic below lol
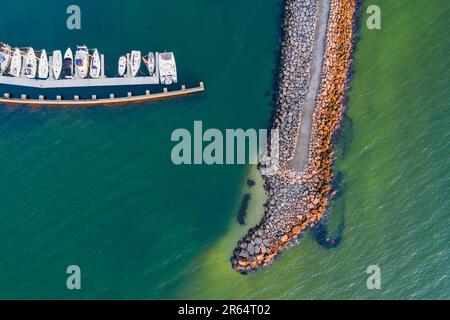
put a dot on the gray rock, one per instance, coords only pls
(251, 249)
(244, 254)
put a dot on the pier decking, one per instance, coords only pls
(94, 101)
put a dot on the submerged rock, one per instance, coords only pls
(242, 212)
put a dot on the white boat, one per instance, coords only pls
(151, 63)
(57, 63)
(30, 64)
(16, 63)
(94, 71)
(68, 64)
(50, 69)
(122, 68)
(82, 61)
(135, 62)
(5, 58)
(167, 68)
(43, 66)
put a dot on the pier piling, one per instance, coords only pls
(95, 101)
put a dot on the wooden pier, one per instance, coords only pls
(94, 101)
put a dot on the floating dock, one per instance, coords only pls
(94, 101)
(78, 82)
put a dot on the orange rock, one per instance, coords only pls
(296, 229)
(243, 263)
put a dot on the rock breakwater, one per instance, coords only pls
(297, 200)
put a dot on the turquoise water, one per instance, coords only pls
(97, 188)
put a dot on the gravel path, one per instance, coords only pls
(298, 163)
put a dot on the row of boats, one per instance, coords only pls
(134, 63)
(85, 64)
(16, 63)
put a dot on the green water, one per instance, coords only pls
(97, 188)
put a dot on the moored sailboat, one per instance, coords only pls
(30, 64)
(68, 64)
(16, 63)
(151, 63)
(5, 58)
(43, 66)
(95, 68)
(135, 62)
(50, 69)
(56, 64)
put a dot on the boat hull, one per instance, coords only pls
(56, 64)
(16, 63)
(95, 68)
(82, 62)
(68, 64)
(30, 64)
(5, 59)
(43, 66)
(151, 63)
(135, 62)
(122, 67)
(167, 68)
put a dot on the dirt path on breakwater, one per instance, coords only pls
(297, 200)
(301, 154)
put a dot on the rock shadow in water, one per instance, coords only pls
(242, 212)
(343, 138)
(342, 141)
(320, 231)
